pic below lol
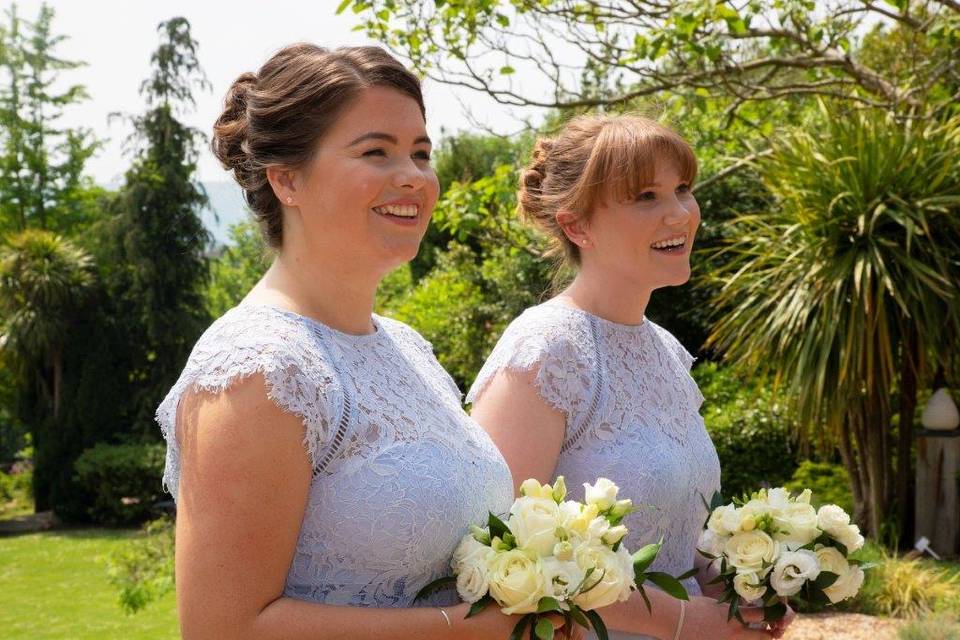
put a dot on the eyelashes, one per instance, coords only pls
(382, 153)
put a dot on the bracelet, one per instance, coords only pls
(683, 610)
(446, 617)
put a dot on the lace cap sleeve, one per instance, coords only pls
(298, 370)
(556, 348)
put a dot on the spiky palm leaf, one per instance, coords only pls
(862, 248)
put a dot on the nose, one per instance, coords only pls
(408, 175)
(680, 212)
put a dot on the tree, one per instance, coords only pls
(163, 238)
(750, 49)
(237, 269)
(846, 288)
(42, 184)
(44, 282)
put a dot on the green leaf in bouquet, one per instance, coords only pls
(815, 595)
(775, 611)
(590, 571)
(436, 585)
(720, 578)
(646, 598)
(497, 527)
(826, 579)
(645, 557)
(577, 614)
(688, 574)
(548, 604)
(770, 597)
(544, 629)
(479, 606)
(734, 611)
(510, 540)
(598, 626)
(517, 632)
(842, 548)
(669, 584)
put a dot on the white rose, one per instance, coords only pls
(711, 543)
(751, 550)
(832, 519)
(749, 586)
(849, 579)
(576, 519)
(756, 508)
(611, 579)
(516, 581)
(792, 570)
(603, 493)
(533, 522)
(796, 524)
(614, 535)
(725, 520)
(778, 498)
(470, 551)
(533, 489)
(851, 538)
(561, 577)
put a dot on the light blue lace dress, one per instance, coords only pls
(400, 471)
(632, 416)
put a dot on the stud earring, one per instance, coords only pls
(289, 200)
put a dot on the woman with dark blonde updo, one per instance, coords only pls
(323, 468)
(585, 386)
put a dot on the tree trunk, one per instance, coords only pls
(57, 357)
(908, 407)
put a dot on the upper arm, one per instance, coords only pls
(245, 477)
(528, 431)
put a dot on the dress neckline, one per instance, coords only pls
(361, 338)
(632, 329)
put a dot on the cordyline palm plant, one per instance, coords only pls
(43, 280)
(848, 289)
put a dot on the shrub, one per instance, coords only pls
(906, 587)
(122, 481)
(143, 568)
(748, 429)
(829, 483)
(16, 486)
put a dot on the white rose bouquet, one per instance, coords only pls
(773, 546)
(552, 555)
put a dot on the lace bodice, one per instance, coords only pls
(400, 471)
(632, 416)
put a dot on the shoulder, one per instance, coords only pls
(551, 343)
(669, 343)
(290, 355)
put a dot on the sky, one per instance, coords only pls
(116, 38)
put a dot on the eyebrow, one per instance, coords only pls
(379, 135)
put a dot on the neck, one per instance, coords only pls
(604, 295)
(337, 294)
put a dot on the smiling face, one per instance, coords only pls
(645, 241)
(368, 193)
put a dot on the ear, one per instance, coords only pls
(286, 184)
(574, 227)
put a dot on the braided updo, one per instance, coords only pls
(595, 159)
(276, 116)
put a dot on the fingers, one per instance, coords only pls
(751, 614)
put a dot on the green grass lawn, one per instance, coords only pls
(54, 585)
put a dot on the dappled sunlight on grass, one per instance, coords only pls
(54, 585)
